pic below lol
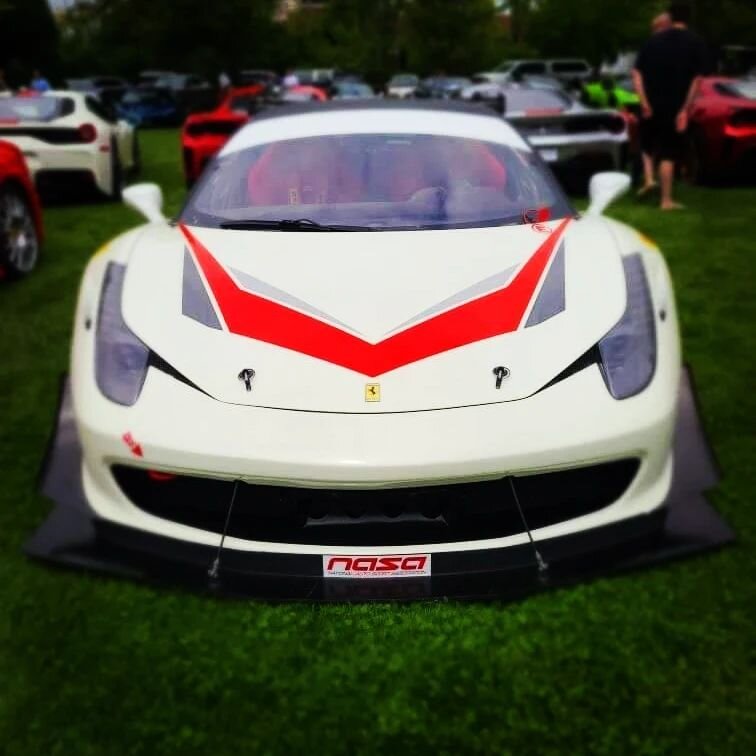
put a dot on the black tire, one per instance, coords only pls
(116, 171)
(19, 242)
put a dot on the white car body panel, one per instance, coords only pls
(93, 157)
(327, 274)
(327, 435)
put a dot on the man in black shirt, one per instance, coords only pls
(666, 76)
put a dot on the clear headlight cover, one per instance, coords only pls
(121, 359)
(628, 351)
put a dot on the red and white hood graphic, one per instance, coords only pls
(374, 322)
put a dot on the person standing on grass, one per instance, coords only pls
(659, 23)
(666, 77)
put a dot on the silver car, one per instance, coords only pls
(575, 140)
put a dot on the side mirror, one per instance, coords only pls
(146, 199)
(604, 188)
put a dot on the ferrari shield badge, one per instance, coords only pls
(372, 392)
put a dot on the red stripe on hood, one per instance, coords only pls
(258, 318)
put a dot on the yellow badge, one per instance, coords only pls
(372, 392)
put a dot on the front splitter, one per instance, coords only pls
(73, 536)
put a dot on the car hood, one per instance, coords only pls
(374, 322)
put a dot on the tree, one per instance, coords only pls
(28, 39)
(589, 29)
(348, 34)
(125, 36)
(457, 37)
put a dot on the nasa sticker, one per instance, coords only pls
(368, 566)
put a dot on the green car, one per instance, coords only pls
(611, 93)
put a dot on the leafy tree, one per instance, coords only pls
(458, 37)
(725, 22)
(589, 29)
(125, 36)
(28, 39)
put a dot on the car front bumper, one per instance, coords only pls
(75, 535)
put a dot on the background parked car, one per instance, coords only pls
(442, 87)
(149, 106)
(95, 84)
(612, 92)
(204, 134)
(576, 141)
(571, 72)
(352, 90)
(70, 139)
(192, 93)
(723, 129)
(21, 229)
(402, 85)
(251, 76)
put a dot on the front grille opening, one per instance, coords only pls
(390, 517)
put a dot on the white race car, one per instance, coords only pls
(377, 342)
(69, 139)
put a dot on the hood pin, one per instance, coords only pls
(247, 375)
(501, 373)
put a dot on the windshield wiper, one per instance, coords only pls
(289, 224)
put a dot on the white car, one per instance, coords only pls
(69, 139)
(377, 342)
(575, 140)
(402, 86)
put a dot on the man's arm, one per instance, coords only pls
(681, 122)
(640, 90)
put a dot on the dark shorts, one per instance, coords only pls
(659, 137)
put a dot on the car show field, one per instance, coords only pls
(652, 662)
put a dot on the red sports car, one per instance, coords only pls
(21, 228)
(723, 128)
(204, 134)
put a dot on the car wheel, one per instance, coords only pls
(116, 172)
(19, 243)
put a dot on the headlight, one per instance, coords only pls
(628, 351)
(121, 359)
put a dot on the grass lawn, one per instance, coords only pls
(659, 662)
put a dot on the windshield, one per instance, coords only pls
(569, 66)
(404, 80)
(745, 89)
(248, 103)
(145, 98)
(504, 67)
(535, 99)
(378, 181)
(352, 89)
(34, 108)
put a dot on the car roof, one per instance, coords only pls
(345, 117)
(453, 106)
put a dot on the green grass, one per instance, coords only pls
(659, 662)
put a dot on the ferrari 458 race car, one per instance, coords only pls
(378, 342)
(204, 134)
(723, 129)
(21, 229)
(68, 139)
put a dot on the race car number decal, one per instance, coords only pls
(398, 565)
